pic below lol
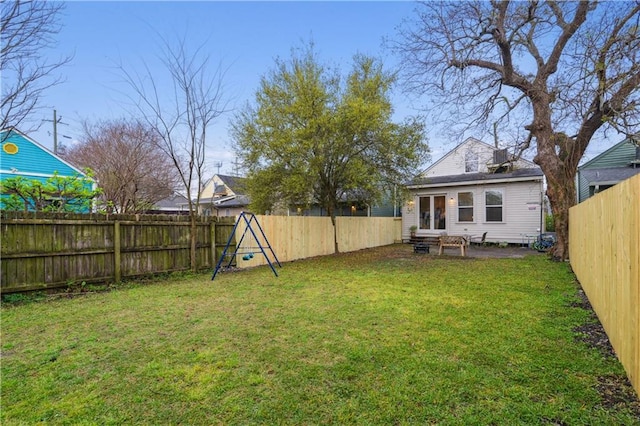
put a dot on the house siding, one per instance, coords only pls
(521, 211)
(454, 162)
(31, 160)
(618, 156)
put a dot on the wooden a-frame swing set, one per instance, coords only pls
(247, 252)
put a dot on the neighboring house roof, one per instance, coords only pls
(223, 185)
(233, 201)
(173, 202)
(234, 183)
(609, 175)
(30, 158)
(469, 178)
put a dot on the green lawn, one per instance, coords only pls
(380, 336)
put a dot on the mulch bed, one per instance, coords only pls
(616, 390)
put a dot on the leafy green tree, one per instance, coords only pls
(314, 137)
(56, 194)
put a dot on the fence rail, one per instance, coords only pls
(604, 248)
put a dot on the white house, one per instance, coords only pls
(476, 189)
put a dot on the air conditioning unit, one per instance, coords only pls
(500, 156)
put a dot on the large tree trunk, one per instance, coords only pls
(193, 234)
(561, 191)
(331, 210)
(559, 162)
(194, 238)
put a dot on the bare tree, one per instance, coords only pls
(181, 113)
(133, 173)
(567, 68)
(28, 28)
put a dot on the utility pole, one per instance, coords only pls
(55, 122)
(236, 169)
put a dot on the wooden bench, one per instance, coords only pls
(453, 241)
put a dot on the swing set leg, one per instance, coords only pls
(243, 216)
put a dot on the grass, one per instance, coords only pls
(380, 336)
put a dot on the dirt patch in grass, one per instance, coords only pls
(616, 390)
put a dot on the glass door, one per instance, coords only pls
(440, 212)
(425, 213)
(433, 212)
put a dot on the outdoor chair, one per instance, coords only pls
(479, 242)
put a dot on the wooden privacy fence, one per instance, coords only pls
(604, 248)
(299, 237)
(44, 250)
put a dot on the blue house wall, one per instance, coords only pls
(31, 160)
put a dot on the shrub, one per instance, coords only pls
(549, 224)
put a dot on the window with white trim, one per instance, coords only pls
(465, 206)
(470, 161)
(493, 201)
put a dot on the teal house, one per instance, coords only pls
(22, 156)
(618, 163)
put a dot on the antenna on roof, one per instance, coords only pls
(218, 165)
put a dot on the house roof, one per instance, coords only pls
(228, 201)
(609, 175)
(173, 201)
(235, 201)
(518, 174)
(235, 183)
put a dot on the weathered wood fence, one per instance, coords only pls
(44, 250)
(604, 248)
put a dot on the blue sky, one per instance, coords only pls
(244, 37)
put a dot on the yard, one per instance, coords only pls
(381, 336)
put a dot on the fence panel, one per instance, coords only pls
(300, 237)
(604, 248)
(42, 251)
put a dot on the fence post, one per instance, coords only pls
(212, 236)
(116, 252)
